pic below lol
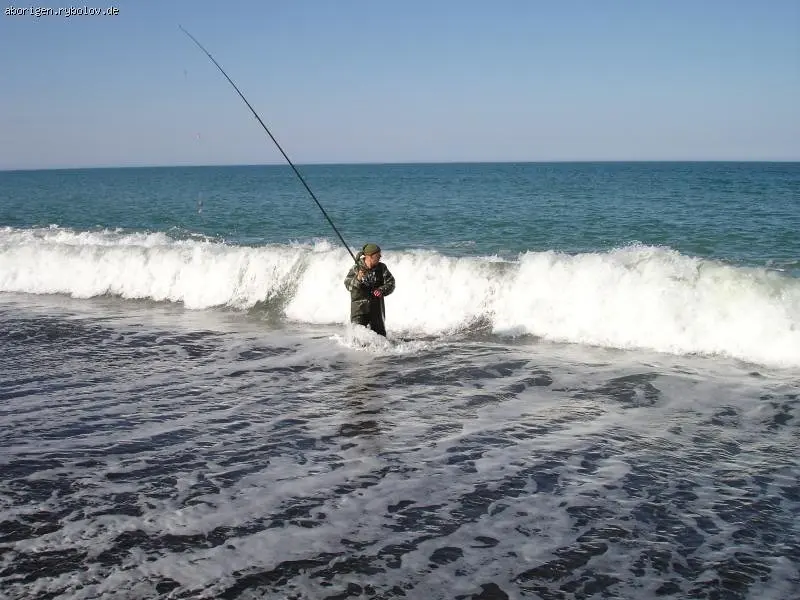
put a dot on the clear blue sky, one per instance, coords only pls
(412, 81)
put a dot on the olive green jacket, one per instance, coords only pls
(377, 278)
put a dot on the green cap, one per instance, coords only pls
(371, 249)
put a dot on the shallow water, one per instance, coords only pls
(148, 451)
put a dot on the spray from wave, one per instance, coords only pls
(632, 297)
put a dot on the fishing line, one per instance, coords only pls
(272, 137)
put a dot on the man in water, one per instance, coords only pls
(368, 281)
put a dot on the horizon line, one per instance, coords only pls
(399, 163)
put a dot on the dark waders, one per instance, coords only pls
(373, 320)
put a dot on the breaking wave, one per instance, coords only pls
(631, 297)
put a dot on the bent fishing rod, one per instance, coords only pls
(272, 137)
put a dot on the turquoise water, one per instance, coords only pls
(746, 213)
(672, 257)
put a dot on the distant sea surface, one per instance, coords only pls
(590, 387)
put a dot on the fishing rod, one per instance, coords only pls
(272, 137)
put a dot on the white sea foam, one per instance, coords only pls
(284, 465)
(633, 297)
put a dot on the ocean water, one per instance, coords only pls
(590, 388)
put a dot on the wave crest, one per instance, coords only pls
(633, 297)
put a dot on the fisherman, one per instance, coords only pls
(368, 281)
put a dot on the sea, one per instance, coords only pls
(590, 386)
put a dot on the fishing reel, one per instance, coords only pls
(370, 279)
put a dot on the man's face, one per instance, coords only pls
(372, 259)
